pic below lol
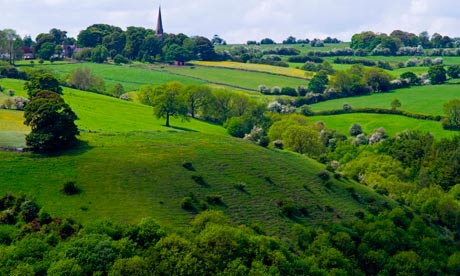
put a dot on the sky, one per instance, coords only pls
(237, 21)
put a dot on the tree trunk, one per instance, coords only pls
(167, 119)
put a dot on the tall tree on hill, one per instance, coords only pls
(167, 101)
(42, 82)
(51, 121)
(205, 49)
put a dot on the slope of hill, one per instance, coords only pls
(129, 166)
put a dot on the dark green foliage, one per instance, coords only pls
(453, 71)
(70, 188)
(187, 204)
(188, 166)
(119, 59)
(199, 180)
(437, 74)
(355, 129)
(51, 121)
(414, 80)
(319, 82)
(29, 211)
(324, 175)
(214, 199)
(240, 187)
(42, 82)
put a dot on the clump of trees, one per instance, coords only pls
(51, 120)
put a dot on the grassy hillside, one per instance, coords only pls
(129, 166)
(131, 175)
(131, 77)
(420, 99)
(393, 124)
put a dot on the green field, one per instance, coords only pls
(130, 77)
(393, 124)
(244, 79)
(419, 99)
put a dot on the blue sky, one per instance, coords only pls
(237, 20)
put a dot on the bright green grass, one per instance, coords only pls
(250, 80)
(96, 113)
(393, 124)
(130, 77)
(12, 129)
(420, 99)
(128, 176)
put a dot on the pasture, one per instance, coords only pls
(419, 99)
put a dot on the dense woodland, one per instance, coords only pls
(416, 230)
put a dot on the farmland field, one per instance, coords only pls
(418, 99)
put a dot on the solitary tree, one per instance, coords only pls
(395, 104)
(51, 121)
(355, 129)
(452, 118)
(453, 71)
(437, 74)
(319, 82)
(168, 102)
(99, 54)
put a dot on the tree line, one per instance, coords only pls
(100, 41)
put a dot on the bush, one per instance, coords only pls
(199, 180)
(214, 199)
(188, 166)
(70, 188)
(324, 175)
(119, 59)
(29, 211)
(278, 144)
(355, 129)
(289, 91)
(240, 187)
(187, 204)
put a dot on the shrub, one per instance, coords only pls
(240, 187)
(306, 110)
(70, 188)
(276, 90)
(346, 107)
(29, 211)
(187, 204)
(11, 92)
(125, 97)
(199, 180)
(355, 129)
(278, 144)
(324, 175)
(214, 199)
(188, 166)
(7, 217)
(119, 59)
(289, 91)
(20, 102)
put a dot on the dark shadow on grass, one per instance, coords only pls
(182, 128)
(79, 148)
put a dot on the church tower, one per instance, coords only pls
(159, 30)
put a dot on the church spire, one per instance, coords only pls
(159, 30)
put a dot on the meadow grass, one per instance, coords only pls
(289, 72)
(131, 175)
(419, 99)
(131, 77)
(244, 79)
(393, 124)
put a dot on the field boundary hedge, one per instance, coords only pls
(371, 110)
